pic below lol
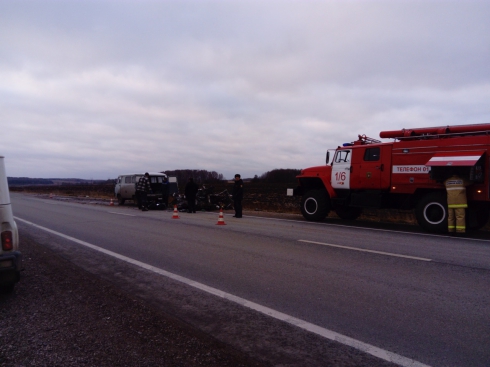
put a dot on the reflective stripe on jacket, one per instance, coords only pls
(456, 192)
(143, 184)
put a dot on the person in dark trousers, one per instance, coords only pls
(142, 189)
(191, 189)
(238, 196)
(165, 191)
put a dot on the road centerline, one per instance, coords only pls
(128, 215)
(365, 250)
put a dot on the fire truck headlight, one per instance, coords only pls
(478, 191)
(393, 188)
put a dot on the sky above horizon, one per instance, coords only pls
(95, 89)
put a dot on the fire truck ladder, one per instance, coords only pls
(365, 140)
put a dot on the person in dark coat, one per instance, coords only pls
(238, 196)
(165, 191)
(142, 189)
(191, 189)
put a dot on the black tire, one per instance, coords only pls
(315, 205)
(348, 212)
(120, 200)
(477, 215)
(431, 212)
(9, 282)
(7, 289)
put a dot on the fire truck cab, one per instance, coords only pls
(407, 173)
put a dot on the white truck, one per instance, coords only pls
(10, 256)
(125, 188)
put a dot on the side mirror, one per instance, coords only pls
(327, 158)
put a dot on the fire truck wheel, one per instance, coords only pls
(348, 213)
(315, 205)
(431, 212)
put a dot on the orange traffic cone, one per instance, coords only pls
(111, 203)
(176, 213)
(221, 220)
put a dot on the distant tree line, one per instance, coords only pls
(89, 182)
(200, 176)
(26, 181)
(282, 175)
(23, 181)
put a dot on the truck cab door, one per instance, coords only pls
(341, 169)
(373, 168)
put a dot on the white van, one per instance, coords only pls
(10, 256)
(126, 187)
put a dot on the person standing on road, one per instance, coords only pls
(191, 189)
(142, 189)
(456, 203)
(165, 191)
(238, 196)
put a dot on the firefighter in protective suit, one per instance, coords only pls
(457, 203)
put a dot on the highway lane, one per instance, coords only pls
(431, 305)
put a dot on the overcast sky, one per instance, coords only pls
(94, 89)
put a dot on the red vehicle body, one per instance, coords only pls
(407, 173)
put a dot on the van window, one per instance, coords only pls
(135, 178)
(127, 179)
(156, 179)
(371, 154)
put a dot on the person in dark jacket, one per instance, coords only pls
(191, 189)
(165, 191)
(142, 189)
(238, 196)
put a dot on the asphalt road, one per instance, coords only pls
(412, 295)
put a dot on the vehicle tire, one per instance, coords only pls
(315, 205)
(7, 289)
(9, 280)
(348, 212)
(120, 200)
(431, 212)
(477, 215)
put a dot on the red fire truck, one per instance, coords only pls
(406, 173)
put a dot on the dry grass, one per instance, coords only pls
(258, 196)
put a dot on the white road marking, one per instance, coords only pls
(364, 250)
(328, 334)
(128, 215)
(423, 234)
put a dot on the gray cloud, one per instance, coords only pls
(95, 88)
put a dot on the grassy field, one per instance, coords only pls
(258, 196)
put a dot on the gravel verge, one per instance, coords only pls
(59, 315)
